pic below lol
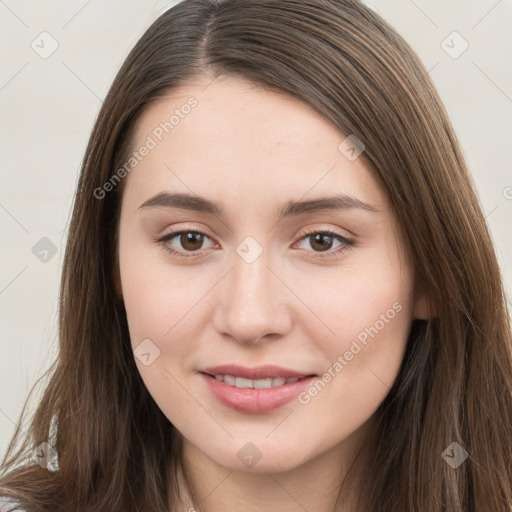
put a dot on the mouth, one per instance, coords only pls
(255, 390)
(244, 383)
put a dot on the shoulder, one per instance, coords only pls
(9, 505)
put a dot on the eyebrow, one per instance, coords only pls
(291, 208)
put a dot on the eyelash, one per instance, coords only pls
(347, 243)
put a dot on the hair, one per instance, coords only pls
(116, 449)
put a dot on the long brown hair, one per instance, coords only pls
(116, 449)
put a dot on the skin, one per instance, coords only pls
(253, 150)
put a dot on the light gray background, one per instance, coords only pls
(48, 107)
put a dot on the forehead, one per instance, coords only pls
(230, 136)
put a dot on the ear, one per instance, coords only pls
(118, 289)
(421, 307)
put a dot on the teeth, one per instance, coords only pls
(243, 383)
(229, 379)
(262, 383)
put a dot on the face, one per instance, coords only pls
(268, 326)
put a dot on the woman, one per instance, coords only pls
(279, 291)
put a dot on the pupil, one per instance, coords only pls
(321, 242)
(318, 238)
(195, 239)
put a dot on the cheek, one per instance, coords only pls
(372, 290)
(163, 322)
(166, 310)
(370, 313)
(159, 300)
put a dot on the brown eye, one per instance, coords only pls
(321, 241)
(191, 240)
(184, 243)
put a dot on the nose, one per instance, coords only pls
(253, 303)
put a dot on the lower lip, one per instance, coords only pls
(255, 400)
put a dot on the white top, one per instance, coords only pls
(8, 505)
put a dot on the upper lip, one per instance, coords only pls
(255, 373)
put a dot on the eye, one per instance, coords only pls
(322, 241)
(190, 241)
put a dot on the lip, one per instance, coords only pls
(257, 372)
(255, 401)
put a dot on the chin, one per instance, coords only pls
(260, 457)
